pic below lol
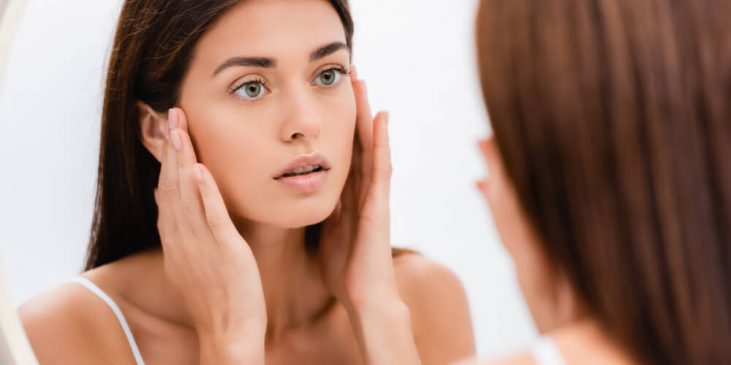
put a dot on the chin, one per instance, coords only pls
(304, 214)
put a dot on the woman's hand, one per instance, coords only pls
(206, 258)
(355, 246)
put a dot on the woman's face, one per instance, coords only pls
(268, 92)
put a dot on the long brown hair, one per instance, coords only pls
(613, 118)
(153, 47)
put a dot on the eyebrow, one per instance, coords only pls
(261, 62)
(327, 50)
(266, 62)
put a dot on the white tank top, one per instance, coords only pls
(545, 352)
(117, 312)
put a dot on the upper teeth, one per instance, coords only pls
(304, 169)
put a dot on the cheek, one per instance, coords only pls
(232, 150)
(222, 136)
(341, 114)
(341, 132)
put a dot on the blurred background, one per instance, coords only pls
(418, 59)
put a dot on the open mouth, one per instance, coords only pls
(306, 174)
(303, 170)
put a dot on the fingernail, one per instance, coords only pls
(175, 135)
(172, 119)
(198, 173)
(482, 144)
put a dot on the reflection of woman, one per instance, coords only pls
(261, 96)
(610, 174)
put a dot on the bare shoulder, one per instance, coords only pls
(68, 324)
(418, 275)
(439, 309)
(518, 359)
(427, 285)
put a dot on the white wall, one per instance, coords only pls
(418, 59)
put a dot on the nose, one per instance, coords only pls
(302, 122)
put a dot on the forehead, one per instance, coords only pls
(271, 28)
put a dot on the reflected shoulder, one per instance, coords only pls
(418, 275)
(438, 306)
(421, 278)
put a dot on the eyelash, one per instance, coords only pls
(260, 80)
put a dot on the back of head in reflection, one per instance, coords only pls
(610, 175)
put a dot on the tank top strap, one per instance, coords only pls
(545, 352)
(117, 312)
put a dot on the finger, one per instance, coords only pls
(353, 73)
(216, 213)
(167, 186)
(164, 197)
(356, 188)
(376, 207)
(173, 222)
(166, 193)
(382, 167)
(364, 117)
(187, 157)
(161, 216)
(364, 136)
(350, 198)
(190, 201)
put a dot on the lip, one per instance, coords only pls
(305, 183)
(302, 161)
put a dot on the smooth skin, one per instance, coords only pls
(232, 282)
(227, 323)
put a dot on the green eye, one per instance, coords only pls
(251, 90)
(328, 77)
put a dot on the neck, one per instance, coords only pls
(293, 290)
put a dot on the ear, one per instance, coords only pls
(153, 129)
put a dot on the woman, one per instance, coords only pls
(609, 175)
(256, 264)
